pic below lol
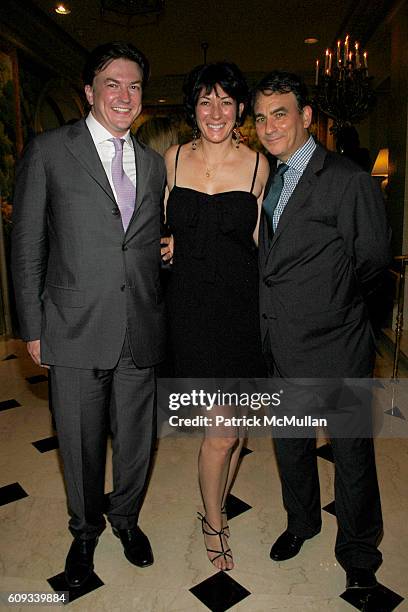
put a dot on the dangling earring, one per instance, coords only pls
(196, 135)
(236, 135)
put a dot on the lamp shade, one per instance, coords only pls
(380, 167)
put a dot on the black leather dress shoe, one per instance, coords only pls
(136, 546)
(286, 546)
(360, 578)
(79, 564)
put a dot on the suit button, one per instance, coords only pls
(264, 316)
(268, 283)
(115, 211)
(123, 287)
(124, 247)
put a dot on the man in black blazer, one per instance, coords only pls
(86, 262)
(323, 244)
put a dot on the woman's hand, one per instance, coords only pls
(167, 248)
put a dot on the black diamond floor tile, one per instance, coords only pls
(59, 584)
(395, 412)
(33, 380)
(219, 592)
(7, 404)
(379, 599)
(235, 506)
(245, 451)
(331, 508)
(11, 493)
(325, 452)
(12, 356)
(46, 444)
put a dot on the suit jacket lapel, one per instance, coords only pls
(299, 197)
(264, 244)
(269, 181)
(79, 142)
(263, 240)
(143, 169)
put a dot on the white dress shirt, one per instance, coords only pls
(106, 150)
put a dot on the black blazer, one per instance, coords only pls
(331, 243)
(80, 280)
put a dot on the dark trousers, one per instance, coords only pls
(357, 497)
(87, 405)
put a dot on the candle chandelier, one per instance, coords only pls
(342, 86)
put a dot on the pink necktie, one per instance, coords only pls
(125, 190)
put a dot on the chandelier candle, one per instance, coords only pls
(343, 89)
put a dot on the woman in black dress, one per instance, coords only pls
(215, 188)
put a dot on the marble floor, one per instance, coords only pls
(34, 539)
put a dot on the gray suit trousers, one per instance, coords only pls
(88, 404)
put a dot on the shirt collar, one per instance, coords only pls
(100, 134)
(300, 158)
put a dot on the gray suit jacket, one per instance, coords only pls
(80, 280)
(330, 246)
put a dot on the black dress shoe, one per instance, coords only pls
(360, 578)
(79, 564)
(136, 546)
(286, 546)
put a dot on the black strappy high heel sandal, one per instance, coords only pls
(225, 526)
(207, 529)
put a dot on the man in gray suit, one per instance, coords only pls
(86, 262)
(323, 245)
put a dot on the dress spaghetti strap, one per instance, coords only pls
(255, 171)
(175, 164)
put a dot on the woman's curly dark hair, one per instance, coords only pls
(207, 76)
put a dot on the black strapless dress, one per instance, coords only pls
(212, 294)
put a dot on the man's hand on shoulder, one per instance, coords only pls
(34, 350)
